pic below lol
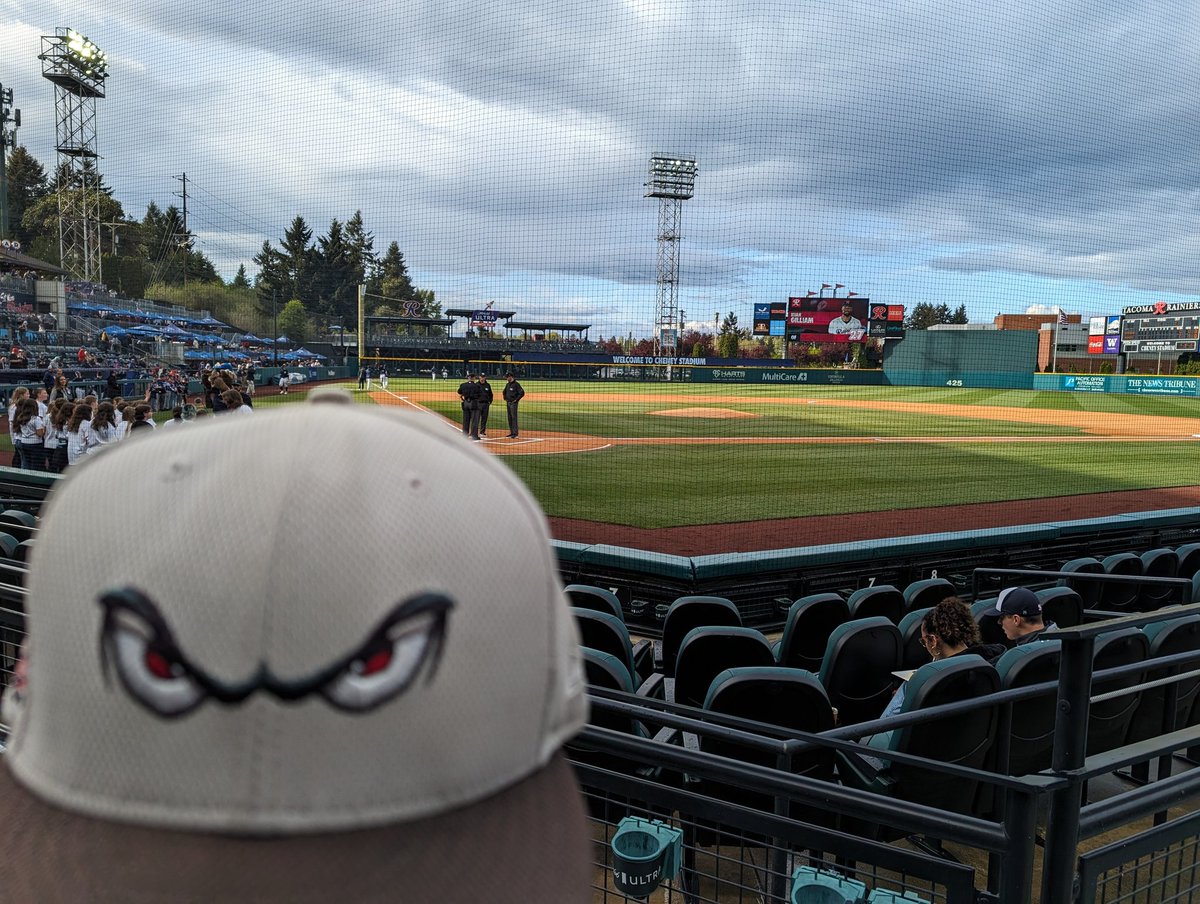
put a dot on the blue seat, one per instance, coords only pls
(1109, 720)
(584, 596)
(1189, 560)
(605, 632)
(857, 669)
(710, 650)
(913, 654)
(927, 593)
(883, 599)
(984, 613)
(810, 621)
(689, 612)
(1123, 596)
(1061, 605)
(1158, 563)
(1029, 724)
(1089, 591)
(1167, 638)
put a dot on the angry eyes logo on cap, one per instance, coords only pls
(137, 642)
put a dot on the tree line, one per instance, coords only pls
(155, 257)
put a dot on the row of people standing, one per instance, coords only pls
(49, 436)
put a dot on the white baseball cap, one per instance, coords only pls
(321, 654)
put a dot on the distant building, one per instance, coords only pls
(1032, 321)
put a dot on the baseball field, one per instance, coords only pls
(655, 456)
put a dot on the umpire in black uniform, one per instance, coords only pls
(486, 397)
(513, 393)
(470, 394)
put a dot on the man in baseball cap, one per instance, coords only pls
(232, 691)
(1020, 614)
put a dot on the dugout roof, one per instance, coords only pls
(467, 312)
(546, 325)
(411, 321)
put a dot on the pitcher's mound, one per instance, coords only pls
(714, 413)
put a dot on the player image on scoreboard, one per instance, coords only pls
(828, 319)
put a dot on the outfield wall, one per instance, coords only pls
(978, 359)
(1133, 385)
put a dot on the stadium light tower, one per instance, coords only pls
(78, 69)
(672, 180)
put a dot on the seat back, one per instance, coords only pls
(882, 599)
(603, 670)
(1189, 560)
(1061, 605)
(584, 596)
(1120, 597)
(789, 698)
(927, 593)
(1179, 635)
(809, 623)
(984, 613)
(1157, 563)
(1109, 720)
(913, 654)
(8, 546)
(857, 669)
(1031, 724)
(963, 739)
(708, 651)
(606, 633)
(1089, 591)
(689, 612)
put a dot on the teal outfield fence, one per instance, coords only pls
(1135, 385)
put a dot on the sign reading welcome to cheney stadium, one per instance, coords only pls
(659, 360)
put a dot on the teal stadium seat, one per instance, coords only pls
(1089, 591)
(913, 653)
(710, 650)
(607, 633)
(584, 596)
(1158, 563)
(1109, 720)
(818, 886)
(810, 621)
(689, 612)
(1028, 725)
(883, 599)
(1123, 596)
(927, 593)
(857, 669)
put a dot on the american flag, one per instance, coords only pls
(1062, 317)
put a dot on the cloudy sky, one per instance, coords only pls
(998, 155)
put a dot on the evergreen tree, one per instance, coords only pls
(240, 280)
(27, 184)
(298, 258)
(393, 281)
(336, 276)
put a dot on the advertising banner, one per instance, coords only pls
(1096, 342)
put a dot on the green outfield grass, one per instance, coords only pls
(670, 485)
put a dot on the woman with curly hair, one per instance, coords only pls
(947, 630)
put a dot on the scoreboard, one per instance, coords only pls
(1161, 327)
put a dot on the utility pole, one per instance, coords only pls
(185, 238)
(8, 139)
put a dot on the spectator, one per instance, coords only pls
(28, 429)
(1020, 614)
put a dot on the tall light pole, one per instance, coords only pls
(672, 181)
(8, 138)
(78, 69)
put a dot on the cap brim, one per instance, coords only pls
(529, 842)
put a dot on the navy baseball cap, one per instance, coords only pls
(1017, 601)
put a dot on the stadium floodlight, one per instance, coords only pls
(672, 181)
(78, 69)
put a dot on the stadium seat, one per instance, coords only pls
(1189, 560)
(913, 654)
(810, 621)
(1179, 635)
(883, 599)
(605, 632)
(689, 612)
(708, 651)
(927, 593)
(1120, 597)
(1061, 605)
(1158, 563)
(584, 596)
(1109, 720)
(19, 524)
(984, 612)
(857, 669)
(963, 739)
(23, 550)
(1089, 591)
(792, 699)
(8, 546)
(1029, 724)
